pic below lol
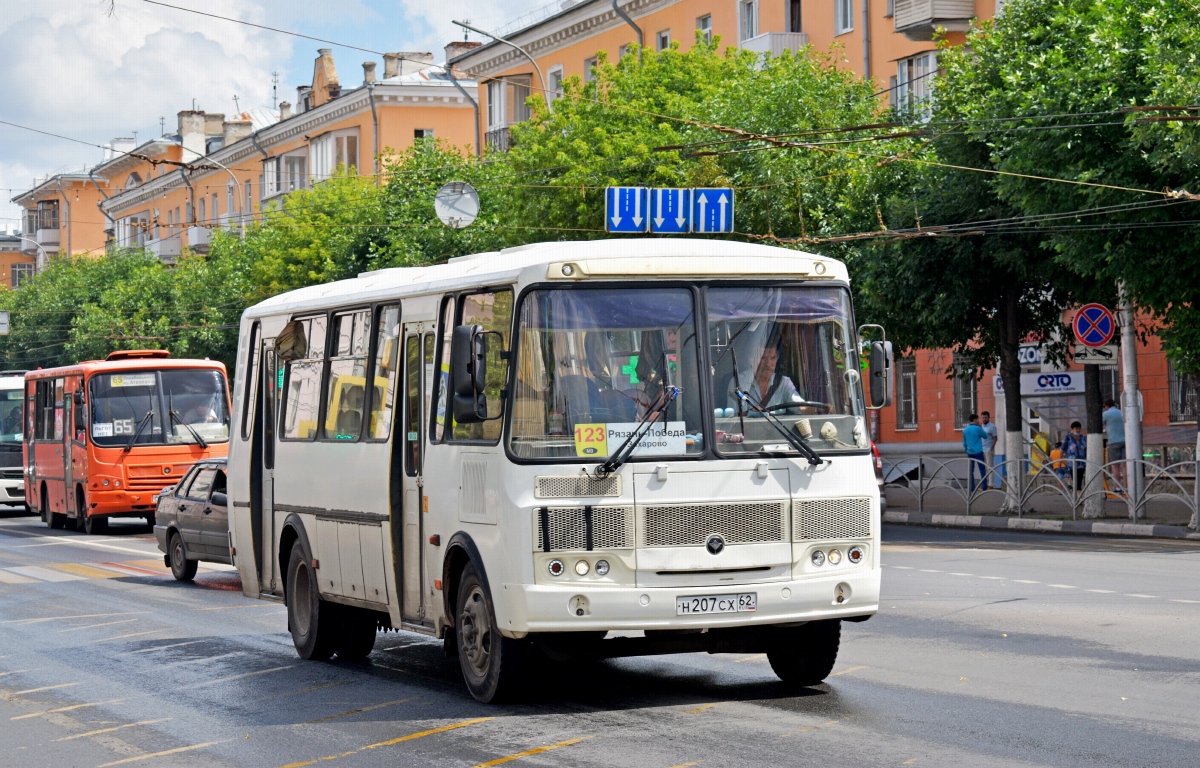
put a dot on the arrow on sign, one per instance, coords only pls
(658, 220)
(637, 207)
(721, 201)
(703, 212)
(616, 218)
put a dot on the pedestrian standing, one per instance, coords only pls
(1074, 450)
(989, 444)
(973, 435)
(1114, 428)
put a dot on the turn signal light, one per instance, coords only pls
(556, 567)
(855, 554)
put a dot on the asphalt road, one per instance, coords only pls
(991, 649)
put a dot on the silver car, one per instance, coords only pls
(192, 520)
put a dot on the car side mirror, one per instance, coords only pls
(219, 499)
(880, 373)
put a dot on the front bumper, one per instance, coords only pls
(120, 502)
(527, 608)
(12, 491)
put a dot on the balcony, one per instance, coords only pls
(199, 239)
(497, 140)
(166, 249)
(47, 238)
(775, 43)
(918, 19)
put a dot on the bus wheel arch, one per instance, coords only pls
(460, 551)
(293, 531)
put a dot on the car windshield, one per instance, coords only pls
(171, 406)
(593, 361)
(10, 419)
(788, 351)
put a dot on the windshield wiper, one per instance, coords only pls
(622, 454)
(799, 443)
(176, 419)
(138, 432)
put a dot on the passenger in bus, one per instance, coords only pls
(12, 422)
(201, 413)
(766, 386)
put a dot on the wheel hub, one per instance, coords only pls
(476, 631)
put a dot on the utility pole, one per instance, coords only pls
(1129, 405)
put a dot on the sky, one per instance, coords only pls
(95, 70)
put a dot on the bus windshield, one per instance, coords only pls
(173, 406)
(593, 361)
(788, 351)
(10, 419)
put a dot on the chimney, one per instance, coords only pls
(285, 110)
(214, 124)
(302, 92)
(457, 48)
(414, 62)
(368, 72)
(118, 148)
(391, 65)
(237, 129)
(191, 134)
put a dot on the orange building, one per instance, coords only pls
(15, 265)
(61, 216)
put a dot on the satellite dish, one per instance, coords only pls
(456, 204)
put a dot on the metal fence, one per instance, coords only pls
(1172, 484)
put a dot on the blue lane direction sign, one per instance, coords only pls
(712, 211)
(670, 211)
(1094, 325)
(627, 209)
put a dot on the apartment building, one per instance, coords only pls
(60, 216)
(890, 41)
(15, 265)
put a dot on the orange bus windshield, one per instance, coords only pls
(173, 406)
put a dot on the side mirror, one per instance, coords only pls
(880, 372)
(219, 499)
(470, 354)
(80, 411)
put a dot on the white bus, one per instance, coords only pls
(600, 449)
(12, 460)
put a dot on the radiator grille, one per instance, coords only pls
(831, 519)
(611, 528)
(576, 486)
(684, 525)
(12, 474)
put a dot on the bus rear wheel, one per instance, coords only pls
(181, 568)
(805, 655)
(313, 621)
(491, 663)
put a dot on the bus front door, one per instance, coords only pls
(418, 366)
(262, 470)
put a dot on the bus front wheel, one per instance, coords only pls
(357, 637)
(53, 519)
(312, 620)
(491, 663)
(805, 655)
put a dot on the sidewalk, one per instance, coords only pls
(1050, 513)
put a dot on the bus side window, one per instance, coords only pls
(493, 311)
(387, 362)
(302, 393)
(442, 381)
(250, 365)
(345, 396)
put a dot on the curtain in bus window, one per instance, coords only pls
(196, 405)
(303, 388)
(493, 311)
(387, 357)
(346, 393)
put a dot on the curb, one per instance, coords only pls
(1087, 527)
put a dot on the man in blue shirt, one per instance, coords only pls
(1114, 427)
(973, 436)
(989, 442)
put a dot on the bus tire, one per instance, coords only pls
(313, 621)
(805, 655)
(53, 519)
(357, 637)
(182, 568)
(96, 525)
(491, 663)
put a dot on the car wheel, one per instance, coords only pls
(313, 621)
(182, 568)
(805, 655)
(491, 663)
(357, 637)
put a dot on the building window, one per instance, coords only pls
(747, 19)
(21, 273)
(249, 198)
(704, 25)
(966, 392)
(203, 215)
(422, 133)
(295, 173)
(216, 210)
(589, 69)
(794, 16)
(1184, 390)
(891, 8)
(47, 211)
(914, 84)
(1110, 383)
(906, 401)
(333, 151)
(662, 41)
(843, 16)
(495, 105)
(555, 82)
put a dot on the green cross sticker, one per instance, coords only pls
(630, 370)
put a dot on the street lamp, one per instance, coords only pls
(519, 49)
(44, 257)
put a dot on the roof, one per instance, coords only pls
(625, 258)
(152, 364)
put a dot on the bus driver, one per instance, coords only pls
(767, 387)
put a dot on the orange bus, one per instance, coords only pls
(103, 437)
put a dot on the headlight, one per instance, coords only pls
(835, 557)
(855, 554)
(818, 558)
(582, 568)
(556, 567)
(601, 567)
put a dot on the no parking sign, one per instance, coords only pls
(1094, 325)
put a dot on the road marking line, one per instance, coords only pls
(163, 647)
(702, 707)
(73, 541)
(253, 605)
(929, 570)
(12, 578)
(131, 634)
(86, 571)
(42, 574)
(910, 762)
(1151, 597)
(238, 677)
(175, 751)
(1103, 591)
(93, 626)
(993, 578)
(80, 616)
(110, 730)
(959, 574)
(1061, 586)
(848, 671)
(44, 688)
(13, 672)
(65, 709)
(687, 765)
(755, 657)
(528, 752)
(902, 567)
(129, 570)
(1026, 581)
(1181, 600)
(390, 742)
(360, 710)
